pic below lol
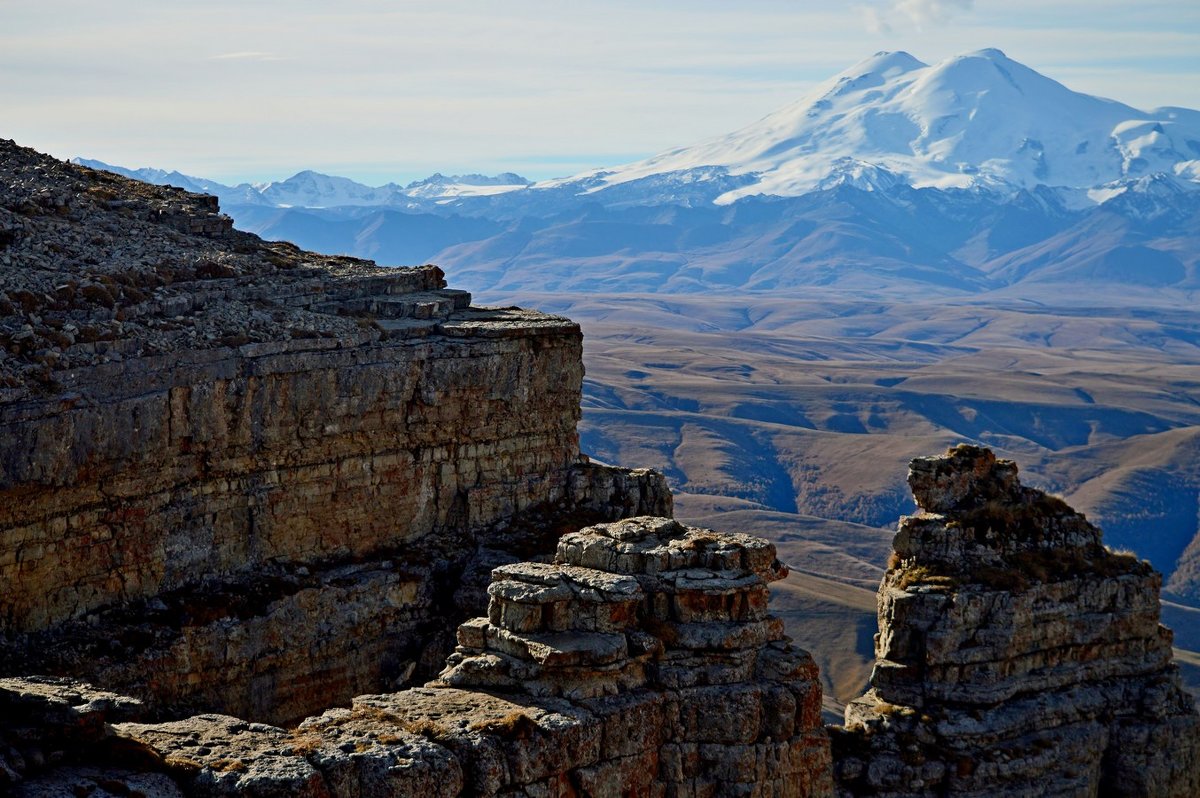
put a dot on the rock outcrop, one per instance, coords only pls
(1016, 655)
(641, 662)
(239, 477)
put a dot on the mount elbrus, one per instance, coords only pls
(973, 174)
(249, 492)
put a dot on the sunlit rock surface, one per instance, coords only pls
(1016, 655)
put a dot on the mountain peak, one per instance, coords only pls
(981, 69)
(990, 53)
(979, 119)
(890, 59)
(884, 65)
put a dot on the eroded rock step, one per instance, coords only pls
(551, 733)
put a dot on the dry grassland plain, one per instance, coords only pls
(794, 417)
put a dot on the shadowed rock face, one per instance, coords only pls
(1015, 655)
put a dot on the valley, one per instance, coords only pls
(794, 417)
(906, 257)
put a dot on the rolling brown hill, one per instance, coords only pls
(794, 417)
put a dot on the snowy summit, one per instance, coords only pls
(977, 121)
(974, 120)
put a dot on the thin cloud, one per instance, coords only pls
(875, 21)
(478, 76)
(247, 55)
(923, 11)
(878, 18)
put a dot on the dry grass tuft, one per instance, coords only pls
(305, 744)
(892, 710)
(701, 542)
(924, 575)
(1027, 520)
(229, 766)
(1041, 566)
(428, 728)
(516, 725)
(183, 763)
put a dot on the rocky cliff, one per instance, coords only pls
(236, 476)
(1016, 655)
(642, 661)
(242, 484)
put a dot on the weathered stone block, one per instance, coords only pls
(630, 723)
(723, 714)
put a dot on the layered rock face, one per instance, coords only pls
(1016, 656)
(130, 480)
(641, 662)
(236, 476)
(241, 479)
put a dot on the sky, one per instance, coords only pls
(257, 90)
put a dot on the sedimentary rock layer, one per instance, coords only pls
(236, 476)
(288, 640)
(642, 662)
(1016, 655)
(133, 479)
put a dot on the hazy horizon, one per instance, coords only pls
(237, 92)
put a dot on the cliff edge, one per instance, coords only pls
(1016, 655)
(239, 477)
(248, 494)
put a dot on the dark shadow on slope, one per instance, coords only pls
(1053, 427)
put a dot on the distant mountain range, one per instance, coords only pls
(309, 189)
(979, 120)
(973, 174)
(907, 257)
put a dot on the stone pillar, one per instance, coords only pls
(1016, 655)
(669, 623)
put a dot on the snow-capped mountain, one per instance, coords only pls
(974, 174)
(309, 189)
(980, 121)
(439, 186)
(975, 120)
